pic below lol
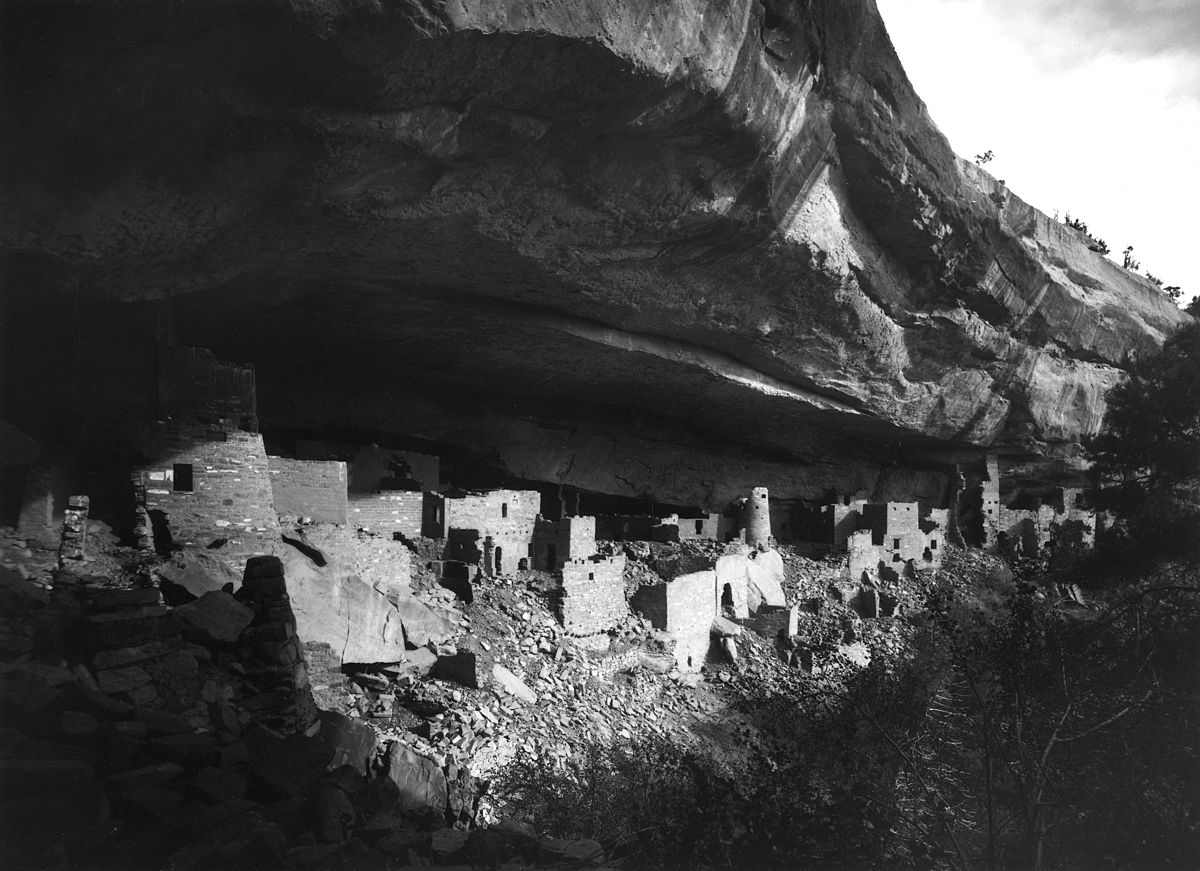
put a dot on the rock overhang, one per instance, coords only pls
(559, 215)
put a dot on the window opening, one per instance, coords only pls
(182, 476)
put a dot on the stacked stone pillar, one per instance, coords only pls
(271, 653)
(74, 531)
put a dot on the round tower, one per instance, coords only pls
(756, 518)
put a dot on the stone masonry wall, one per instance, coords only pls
(593, 595)
(309, 488)
(507, 517)
(991, 507)
(1029, 531)
(576, 538)
(388, 512)
(691, 606)
(230, 493)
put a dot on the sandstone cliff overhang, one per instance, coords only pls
(722, 222)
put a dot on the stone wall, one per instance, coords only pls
(506, 517)
(691, 606)
(43, 497)
(685, 607)
(309, 488)
(593, 595)
(1029, 532)
(194, 385)
(576, 538)
(712, 526)
(991, 507)
(388, 512)
(895, 538)
(208, 485)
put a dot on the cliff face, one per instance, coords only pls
(721, 239)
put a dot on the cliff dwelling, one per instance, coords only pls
(567, 435)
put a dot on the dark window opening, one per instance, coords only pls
(895, 542)
(216, 435)
(497, 559)
(183, 478)
(699, 526)
(895, 557)
(504, 509)
(933, 544)
(591, 576)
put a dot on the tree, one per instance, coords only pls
(1147, 460)
(986, 157)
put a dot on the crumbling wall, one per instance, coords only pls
(593, 595)
(691, 605)
(830, 524)
(309, 488)
(691, 528)
(506, 517)
(1028, 532)
(208, 485)
(388, 512)
(896, 538)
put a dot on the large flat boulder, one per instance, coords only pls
(340, 609)
(421, 782)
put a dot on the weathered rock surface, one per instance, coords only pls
(605, 209)
(217, 616)
(342, 610)
(422, 784)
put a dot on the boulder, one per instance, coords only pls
(422, 625)
(764, 580)
(513, 685)
(352, 742)
(191, 573)
(421, 783)
(215, 617)
(342, 610)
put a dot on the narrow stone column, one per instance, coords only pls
(74, 530)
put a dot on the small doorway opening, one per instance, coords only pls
(498, 560)
(727, 600)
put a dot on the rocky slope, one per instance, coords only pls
(670, 249)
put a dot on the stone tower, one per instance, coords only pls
(756, 518)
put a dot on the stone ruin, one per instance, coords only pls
(1033, 530)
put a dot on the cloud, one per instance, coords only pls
(1067, 33)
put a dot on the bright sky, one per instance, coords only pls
(1090, 106)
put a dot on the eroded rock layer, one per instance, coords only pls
(636, 247)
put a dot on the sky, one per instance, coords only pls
(1090, 107)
